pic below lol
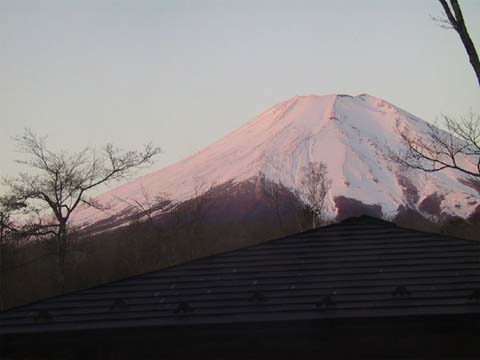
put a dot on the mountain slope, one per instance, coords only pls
(349, 134)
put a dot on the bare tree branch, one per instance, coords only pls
(454, 17)
(456, 148)
(148, 205)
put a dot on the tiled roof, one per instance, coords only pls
(360, 268)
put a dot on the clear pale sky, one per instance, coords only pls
(185, 73)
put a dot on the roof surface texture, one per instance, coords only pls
(360, 268)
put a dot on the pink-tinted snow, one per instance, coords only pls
(349, 134)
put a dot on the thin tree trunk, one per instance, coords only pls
(458, 23)
(469, 47)
(62, 250)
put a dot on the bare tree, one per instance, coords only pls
(146, 209)
(198, 209)
(456, 148)
(148, 205)
(274, 196)
(454, 20)
(58, 182)
(314, 187)
(202, 199)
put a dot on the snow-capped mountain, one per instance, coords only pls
(349, 134)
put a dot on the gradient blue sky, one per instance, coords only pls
(185, 73)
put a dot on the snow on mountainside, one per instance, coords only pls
(349, 134)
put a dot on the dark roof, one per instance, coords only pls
(360, 268)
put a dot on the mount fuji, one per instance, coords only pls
(351, 135)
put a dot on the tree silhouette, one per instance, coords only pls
(454, 20)
(314, 187)
(58, 182)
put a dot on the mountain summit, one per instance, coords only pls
(350, 134)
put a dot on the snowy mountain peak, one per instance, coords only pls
(348, 133)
